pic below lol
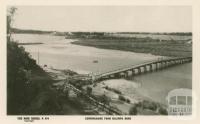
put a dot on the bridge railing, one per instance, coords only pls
(146, 63)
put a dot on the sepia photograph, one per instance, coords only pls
(99, 60)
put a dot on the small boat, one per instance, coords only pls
(95, 61)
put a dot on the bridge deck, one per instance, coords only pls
(139, 65)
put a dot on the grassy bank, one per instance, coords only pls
(140, 45)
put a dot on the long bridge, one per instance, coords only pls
(142, 68)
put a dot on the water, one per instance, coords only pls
(157, 85)
(58, 52)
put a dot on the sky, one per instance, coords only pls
(105, 18)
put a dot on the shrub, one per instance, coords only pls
(89, 90)
(128, 101)
(163, 111)
(133, 110)
(114, 90)
(104, 99)
(122, 98)
(149, 105)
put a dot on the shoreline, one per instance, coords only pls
(34, 43)
(164, 48)
(100, 89)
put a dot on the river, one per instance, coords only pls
(58, 52)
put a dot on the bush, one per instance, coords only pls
(104, 99)
(122, 98)
(89, 90)
(114, 90)
(149, 105)
(139, 104)
(18, 64)
(128, 101)
(163, 111)
(133, 110)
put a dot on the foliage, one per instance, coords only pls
(18, 63)
(128, 101)
(10, 19)
(162, 111)
(133, 110)
(27, 93)
(15, 30)
(89, 90)
(69, 72)
(158, 33)
(148, 108)
(122, 98)
(149, 105)
(114, 90)
(23, 91)
(104, 99)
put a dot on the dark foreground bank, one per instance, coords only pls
(29, 88)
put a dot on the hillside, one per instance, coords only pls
(29, 88)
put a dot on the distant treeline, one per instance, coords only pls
(30, 43)
(172, 48)
(29, 31)
(159, 33)
(89, 33)
(155, 33)
(79, 33)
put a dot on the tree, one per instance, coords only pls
(162, 111)
(10, 19)
(133, 110)
(22, 97)
(104, 99)
(89, 90)
(18, 64)
(66, 92)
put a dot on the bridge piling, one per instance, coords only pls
(163, 65)
(167, 64)
(150, 68)
(133, 72)
(139, 71)
(155, 66)
(181, 61)
(144, 68)
(160, 65)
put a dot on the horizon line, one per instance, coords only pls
(104, 31)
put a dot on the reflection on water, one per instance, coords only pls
(58, 52)
(157, 85)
